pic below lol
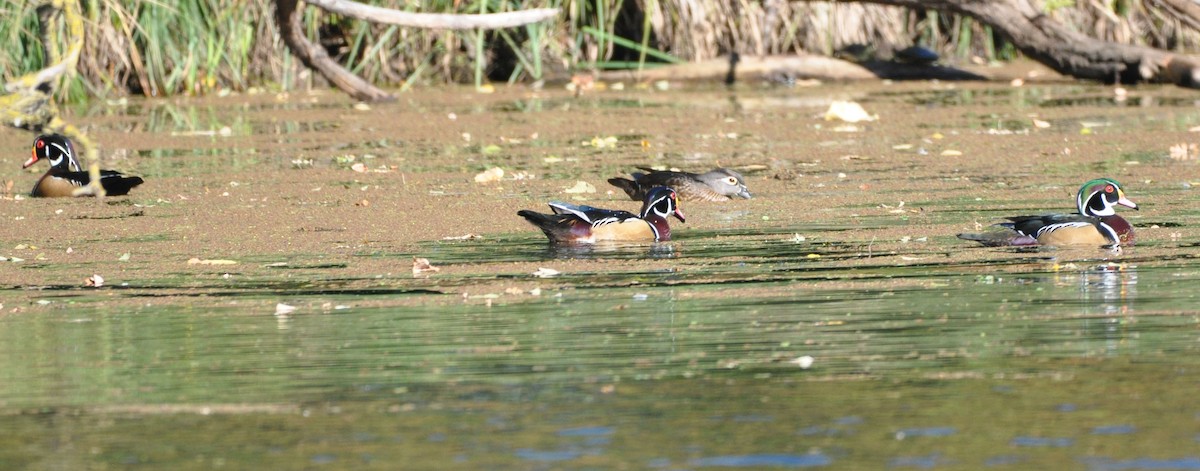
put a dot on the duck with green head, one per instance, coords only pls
(1096, 222)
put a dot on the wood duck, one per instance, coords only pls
(65, 174)
(573, 224)
(1097, 222)
(718, 185)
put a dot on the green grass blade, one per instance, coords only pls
(601, 35)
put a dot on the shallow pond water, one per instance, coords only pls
(832, 321)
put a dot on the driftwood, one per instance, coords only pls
(795, 67)
(288, 14)
(29, 102)
(1068, 52)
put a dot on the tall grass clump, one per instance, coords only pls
(19, 32)
(158, 48)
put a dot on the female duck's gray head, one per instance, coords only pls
(727, 182)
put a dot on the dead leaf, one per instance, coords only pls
(601, 142)
(490, 175)
(1184, 151)
(463, 237)
(282, 309)
(544, 272)
(581, 187)
(804, 362)
(849, 112)
(421, 266)
(94, 281)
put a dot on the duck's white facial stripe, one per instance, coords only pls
(1084, 203)
(1106, 210)
(655, 210)
(64, 152)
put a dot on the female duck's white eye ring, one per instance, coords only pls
(732, 180)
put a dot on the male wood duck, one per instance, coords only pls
(718, 185)
(573, 224)
(1097, 222)
(65, 174)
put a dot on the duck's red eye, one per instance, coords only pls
(40, 144)
(1108, 188)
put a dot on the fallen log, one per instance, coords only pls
(790, 68)
(1068, 52)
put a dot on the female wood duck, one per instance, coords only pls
(572, 224)
(65, 174)
(1097, 222)
(720, 184)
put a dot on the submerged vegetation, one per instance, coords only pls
(162, 48)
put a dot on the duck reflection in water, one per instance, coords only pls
(657, 250)
(1112, 285)
(1106, 296)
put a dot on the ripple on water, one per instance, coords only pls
(1050, 442)
(548, 455)
(925, 432)
(1003, 460)
(586, 432)
(782, 460)
(1114, 430)
(923, 462)
(1109, 464)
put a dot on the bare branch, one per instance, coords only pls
(287, 15)
(434, 20)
